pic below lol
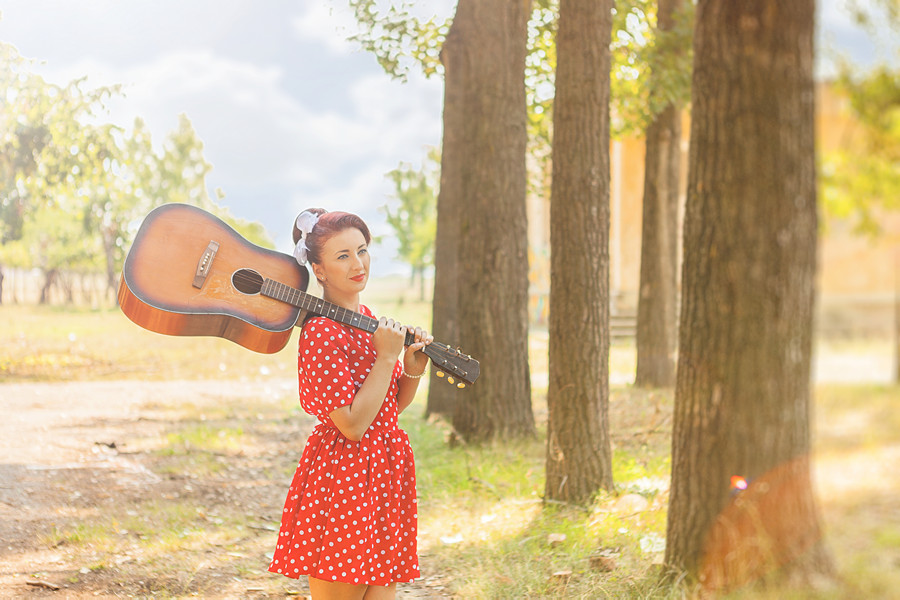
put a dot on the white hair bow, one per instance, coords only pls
(305, 223)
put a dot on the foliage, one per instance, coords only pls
(862, 179)
(414, 220)
(43, 141)
(651, 68)
(642, 60)
(872, 13)
(72, 188)
(398, 39)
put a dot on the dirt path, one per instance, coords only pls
(174, 489)
(91, 502)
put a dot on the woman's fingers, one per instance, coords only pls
(422, 336)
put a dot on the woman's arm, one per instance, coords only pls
(354, 419)
(406, 392)
(414, 364)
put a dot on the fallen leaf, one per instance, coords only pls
(555, 539)
(561, 577)
(604, 564)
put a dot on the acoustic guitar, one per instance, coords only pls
(188, 273)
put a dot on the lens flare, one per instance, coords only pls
(738, 483)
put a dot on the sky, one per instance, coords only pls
(292, 114)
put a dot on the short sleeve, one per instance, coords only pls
(324, 370)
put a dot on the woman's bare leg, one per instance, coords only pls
(335, 590)
(378, 592)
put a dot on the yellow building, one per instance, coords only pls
(857, 277)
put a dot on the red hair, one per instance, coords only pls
(328, 225)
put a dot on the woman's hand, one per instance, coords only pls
(388, 339)
(414, 362)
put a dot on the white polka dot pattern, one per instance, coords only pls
(350, 512)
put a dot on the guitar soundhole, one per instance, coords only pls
(247, 281)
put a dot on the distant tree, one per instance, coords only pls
(44, 139)
(656, 338)
(63, 170)
(57, 244)
(125, 178)
(579, 453)
(414, 218)
(861, 181)
(742, 396)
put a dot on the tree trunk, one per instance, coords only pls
(483, 183)
(656, 324)
(422, 270)
(579, 455)
(67, 283)
(451, 200)
(109, 250)
(742, 400)
(49, 279)
(897, 316)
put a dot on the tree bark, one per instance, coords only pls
(656, 339)
(742, 400)
(483, 183)
(579, 455)
(657, 336)
(451, 201)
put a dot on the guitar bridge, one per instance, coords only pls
(205, 263)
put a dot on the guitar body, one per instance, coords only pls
(179, 279)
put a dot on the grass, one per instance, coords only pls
(484, 532)
(483, 522)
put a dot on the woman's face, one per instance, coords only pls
(344, 266)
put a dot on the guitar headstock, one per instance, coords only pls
(459, 368)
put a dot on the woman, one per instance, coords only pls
(349, 521)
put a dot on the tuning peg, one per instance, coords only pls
(460, 385)
(440, 373)
(450, 380)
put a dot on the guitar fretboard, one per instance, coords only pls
(317, 306)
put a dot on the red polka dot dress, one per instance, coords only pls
(350, 512)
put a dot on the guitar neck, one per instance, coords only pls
(317, 306)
